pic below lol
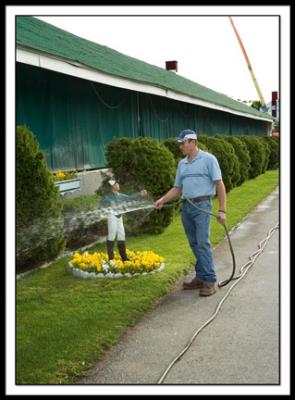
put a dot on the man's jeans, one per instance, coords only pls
(197, 228)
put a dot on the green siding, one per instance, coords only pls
(72, 123)
(74, 119)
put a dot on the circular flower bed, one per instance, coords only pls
(97, 265)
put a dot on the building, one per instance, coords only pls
(76, 95)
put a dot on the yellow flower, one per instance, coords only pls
(138, 261)
(99, 268)
(60, 175)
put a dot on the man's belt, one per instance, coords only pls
(197, 199)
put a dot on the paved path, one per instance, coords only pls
(240, 346)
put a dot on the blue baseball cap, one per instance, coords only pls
(186, 134)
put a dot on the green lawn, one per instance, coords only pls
(64, 324)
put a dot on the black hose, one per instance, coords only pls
(225, 282)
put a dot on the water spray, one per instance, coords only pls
(41, 230)
(33, 236)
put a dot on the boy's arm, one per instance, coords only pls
(104, 202)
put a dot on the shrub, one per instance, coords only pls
(274, 157)
(242, 153)
(235, 175)
(267, 153)
(257, 154)
(173, 147)
(202, 146)
(39, 220)
(228, 161)
(205, 139)
(143, 163)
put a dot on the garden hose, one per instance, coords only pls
(243, 271)
(225, 282)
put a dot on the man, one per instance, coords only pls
(198, 177)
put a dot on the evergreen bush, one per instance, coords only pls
(242, 153)
(267, 153)
(235, 176)
(257, 154)
(143, 163)
(274, 157)
(39, 221)
(227, 159)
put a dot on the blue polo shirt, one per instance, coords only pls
(196, 177)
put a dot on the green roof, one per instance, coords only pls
(38, 35)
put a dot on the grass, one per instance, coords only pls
(64, 324)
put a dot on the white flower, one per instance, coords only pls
(105, 266)
(112, 264)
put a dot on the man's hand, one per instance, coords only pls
(159, 204)
(221, 217)
(169, 196)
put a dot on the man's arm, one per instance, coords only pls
(169, 196)
(221, 194)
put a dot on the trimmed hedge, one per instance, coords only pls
(227, 159)
(257, 154)
(274, 157)
(235, 175)
(143, 163)
(39, 220)
(267, 154)
(242, 153)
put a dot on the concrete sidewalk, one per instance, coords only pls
(240, 346)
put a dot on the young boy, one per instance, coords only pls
(113, 200)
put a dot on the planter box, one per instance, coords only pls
(68, 186)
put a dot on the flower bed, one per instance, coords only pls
(64, 175)
(97, 265)
(67, 182)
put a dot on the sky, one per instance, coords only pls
(206, 47)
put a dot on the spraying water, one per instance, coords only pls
(43, 230)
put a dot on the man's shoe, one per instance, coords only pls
(207, 290)
(193, 284)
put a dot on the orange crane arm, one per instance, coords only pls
(248, 64)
